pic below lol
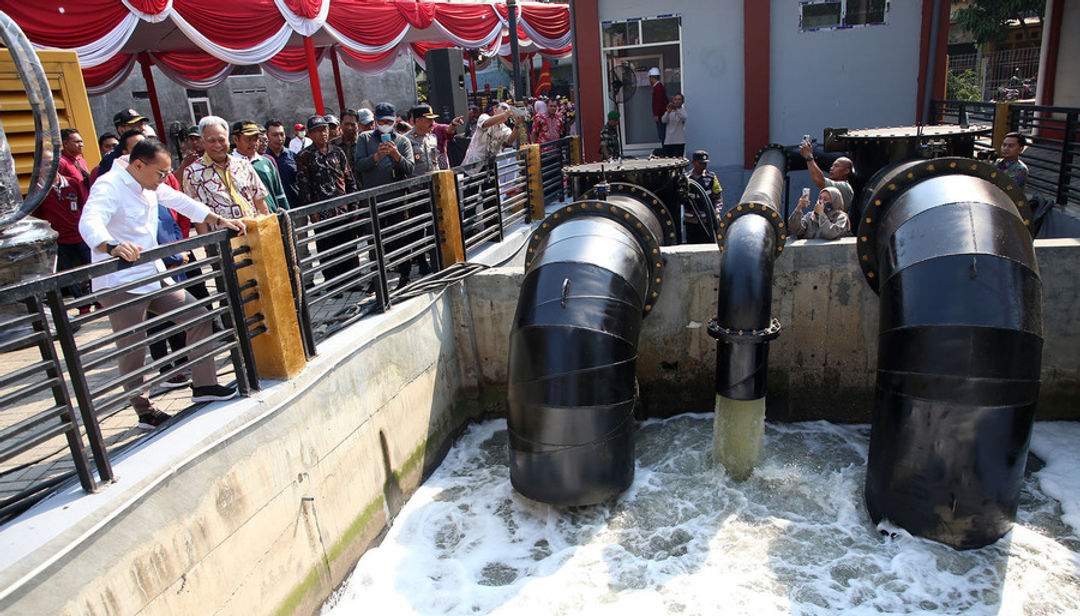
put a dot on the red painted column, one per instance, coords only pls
(940, 65)
(472, 70)
(313, 75)
(159, 124)
(756, 45)
(590, 103)
(337, 79)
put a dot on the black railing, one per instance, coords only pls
(346, 257)
(75, 384)
(1053, 134)
(553, 157)
(1053, 151)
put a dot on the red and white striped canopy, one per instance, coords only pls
(197, 42)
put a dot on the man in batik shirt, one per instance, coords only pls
(226, 184)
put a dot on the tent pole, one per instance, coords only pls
(472, 70)
(313, 76)
(511, 11)
(155, 108)
(337, 79)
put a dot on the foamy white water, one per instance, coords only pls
(792, 539)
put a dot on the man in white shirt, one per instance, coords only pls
(300, 140)
(120, 219)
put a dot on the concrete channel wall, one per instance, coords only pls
(262, 506)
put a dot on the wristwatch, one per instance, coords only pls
(809, 159)
(111, 246)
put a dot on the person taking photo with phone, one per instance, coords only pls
(826, 221)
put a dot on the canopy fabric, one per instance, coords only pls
(196, 42)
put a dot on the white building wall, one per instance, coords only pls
(860, 77)
(712, 68)
(1067, 79)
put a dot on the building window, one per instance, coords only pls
(818, 15)
(631, 48)
(246, 69)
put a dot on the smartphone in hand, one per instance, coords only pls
(386, 137)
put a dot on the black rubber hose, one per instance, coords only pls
(751, 236)
(959, 349)
(592, 275)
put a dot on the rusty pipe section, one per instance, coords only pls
(751, 235)
(945, 244)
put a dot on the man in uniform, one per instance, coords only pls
(696, 229)
(610, 144)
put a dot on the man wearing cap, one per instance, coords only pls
(696, 232)
(123, 121)
(659, 103)
(425, 146)
(610, 144)
(323, 172)
(383, 156)
(195, 150)
(245, 136)
(333, 126)
(839, 174)
(300, 140)
(285, 159)
(226, 184)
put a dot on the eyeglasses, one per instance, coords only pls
(162, 173)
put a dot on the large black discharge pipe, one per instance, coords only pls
(592, 272)
(945, 244)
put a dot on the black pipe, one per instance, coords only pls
(945, 244)
(592, 273)
(751, 235)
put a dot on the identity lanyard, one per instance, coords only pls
(226, 178)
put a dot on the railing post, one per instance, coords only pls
(493, 178)
(1064, 175)
(536, 181)
(66, 337)
(382, 294)
(1002, 117)
(447, 217)
(278, 353)
(242, 357)
(575, 150)
(292, 262)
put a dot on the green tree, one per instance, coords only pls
(987, 20)
(963, 87)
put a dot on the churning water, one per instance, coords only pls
(794, 538)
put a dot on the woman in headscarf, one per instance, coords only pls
(545, 127)
(827, 221)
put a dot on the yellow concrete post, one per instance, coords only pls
(448, 218)
(279, 353)
(1001, 123)
(536, 181)
(575, 150)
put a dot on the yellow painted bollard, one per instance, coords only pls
(448, 218)
(279, 353)
(536, 180)
(575, 150)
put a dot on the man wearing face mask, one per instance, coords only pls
(383, 156)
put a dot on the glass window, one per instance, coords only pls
(821, 15)
(860, 12)
(621, 34)
(660, 30)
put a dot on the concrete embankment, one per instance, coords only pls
(261, 506)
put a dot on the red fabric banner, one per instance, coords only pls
(97, 76)
(292, 59)
(237, 24)
(418, 14)
(75, 25)
(551, 20)
(467, 21)
(195, 65)
(308, 9)
(150, 7)
(374, 24)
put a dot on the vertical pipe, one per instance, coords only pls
(337, 79)
(313, 75)
(511, 11)
(155, 108)
(472, 71)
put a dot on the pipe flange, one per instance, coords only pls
(894, 183)
(648, 198)
(614, 211)
(771, 146)
(744, 335)
(769, 214)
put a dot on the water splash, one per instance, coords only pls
(794, 538)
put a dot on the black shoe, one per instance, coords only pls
(152, 419)
(176, 382)
(401, 282)
(212, 393)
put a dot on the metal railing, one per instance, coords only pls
(347, 257)
(1053, 134)
(553, 157)
(75, 384)
(1053, 151)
